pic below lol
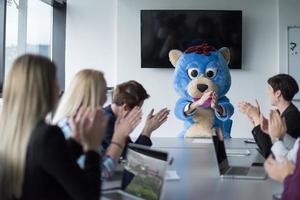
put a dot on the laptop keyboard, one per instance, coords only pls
(238, 171)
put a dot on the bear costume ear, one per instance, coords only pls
(225, 53)
(174, 56)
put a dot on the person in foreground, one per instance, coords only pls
(38, 162)
(88, 88)
(281, 90)
(283, 170)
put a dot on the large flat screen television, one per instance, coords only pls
(163, 30)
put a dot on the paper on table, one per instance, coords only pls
(171, 175)
(202, 141)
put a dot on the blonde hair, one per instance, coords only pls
(28, 95)
(88, 88)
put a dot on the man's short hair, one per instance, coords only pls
(130, 93)
(286, 84)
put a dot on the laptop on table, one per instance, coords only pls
(143, 176)
(236, 172)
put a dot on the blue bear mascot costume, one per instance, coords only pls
(202, 79)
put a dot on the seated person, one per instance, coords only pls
(88, 88)
(38, 163)
(287, 173)
(277, 129)
(285, 167)
(281, 91)
(125, 97)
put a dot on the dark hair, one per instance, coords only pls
(286, 84)
(130, 93)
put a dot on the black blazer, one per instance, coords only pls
(51, 171)
(292, 119)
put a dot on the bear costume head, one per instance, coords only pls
(201, 69)
(198, 70)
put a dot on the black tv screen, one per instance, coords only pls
(163, 30)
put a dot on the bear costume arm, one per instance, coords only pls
(179, 109)
(227, 107)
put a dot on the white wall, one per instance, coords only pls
(288, 16)
(90, 37)
(260, 45)
(106, 34)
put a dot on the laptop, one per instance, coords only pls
(143, 175)
(236, 172)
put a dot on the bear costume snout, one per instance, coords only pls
(202, 87)
(197, 87)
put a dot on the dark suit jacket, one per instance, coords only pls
(292, 119)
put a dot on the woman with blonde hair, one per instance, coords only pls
(37, 161)
(88, 88)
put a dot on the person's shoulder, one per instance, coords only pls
(110, 114)
(292, 114)
(107, 108)
(44, 132)
(292, 109)
(44, 127)
(108, 111)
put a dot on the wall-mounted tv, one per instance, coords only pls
(163, 30)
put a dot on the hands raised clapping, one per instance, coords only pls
(88, 127)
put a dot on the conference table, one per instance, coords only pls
(195, 163)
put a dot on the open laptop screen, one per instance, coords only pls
(144, 172)
(220, 153)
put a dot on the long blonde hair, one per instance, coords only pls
(28, 95)
(88, 88)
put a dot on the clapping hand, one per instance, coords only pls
(154, 121)
(206, 97)
(215, 105)
(126, 123)
(252, 112)
(88, 127)
(276, 125)
(278, 170)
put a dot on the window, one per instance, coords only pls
(2, 42)
(28, 29)
(39, 28)
(32, 26)
(11, 40)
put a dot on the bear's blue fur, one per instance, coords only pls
(204, 61)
